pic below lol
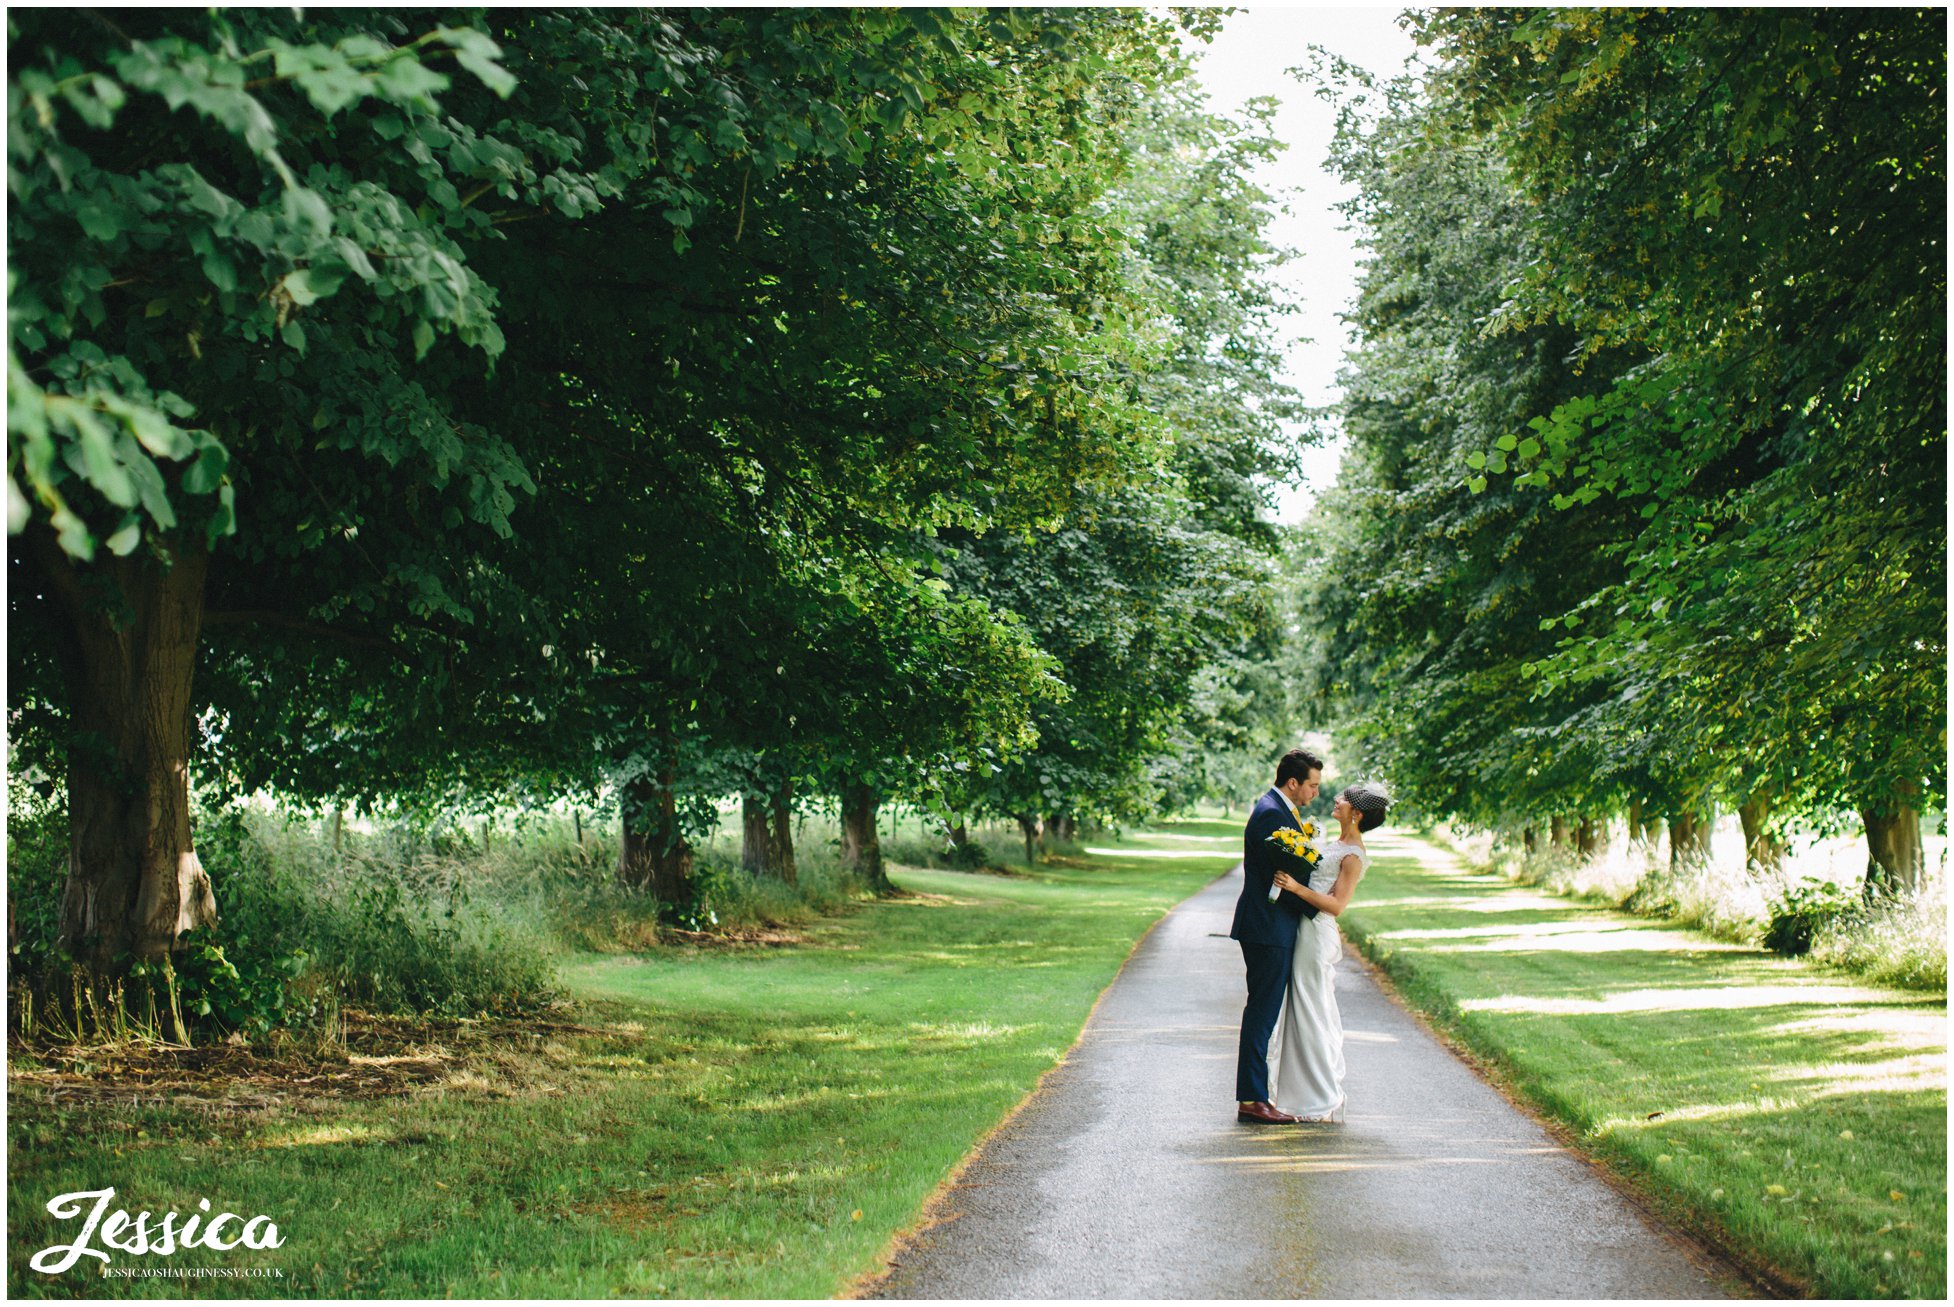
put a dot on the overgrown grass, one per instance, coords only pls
(1900, 941)
(448, 917)
(738, 1122)
(1797, 1119)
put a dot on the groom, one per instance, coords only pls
(1265, 925)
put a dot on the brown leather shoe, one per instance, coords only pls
(1264, 1114)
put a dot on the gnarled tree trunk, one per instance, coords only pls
(861, 841)
(780, 834)
(1033, 831)
(1760, 849)
(1897, 858)
(1642, 828)
(1689, 837)
(654, 854)
(754, 836)
(129, 653)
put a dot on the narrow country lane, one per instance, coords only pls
(1127, 1176)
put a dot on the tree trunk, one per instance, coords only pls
(1589, 836)
(1529, 839)
(1033, 831)
(338, 829)
(1061, 827)
(1897, 856)
(1760, 850)
(780, 843)
(1689, 837)
(861, 841)
(1558, 827)
(129, 653)
(754, 835)
(1638, 829)
(654, 855)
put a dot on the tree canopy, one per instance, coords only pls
(1649, 418)
(436, 404)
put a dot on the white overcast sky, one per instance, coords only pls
(1248, 58)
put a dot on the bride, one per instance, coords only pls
(1309, 1071)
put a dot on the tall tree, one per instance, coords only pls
(1755, 201)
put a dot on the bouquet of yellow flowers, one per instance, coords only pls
(1298, 849)
(1299, 844)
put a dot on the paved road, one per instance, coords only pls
(1126, 1175)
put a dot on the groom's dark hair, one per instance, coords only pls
(1296, 765)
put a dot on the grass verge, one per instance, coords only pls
(1794, 1118)
(756, 1121)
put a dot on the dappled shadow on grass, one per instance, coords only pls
(712, 1129)
(1801, 1114)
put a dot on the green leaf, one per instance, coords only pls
(423, 339)
(306, 210)
(206, 471)
(155, 432)
(127, 536)
(309, 285)
(408, 79)
(101, 219)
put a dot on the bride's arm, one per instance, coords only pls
(1339, 896)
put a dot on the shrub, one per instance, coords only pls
(37, 866)
(1803, 911)
(1897, 941)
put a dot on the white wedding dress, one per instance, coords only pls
(1309, 1066)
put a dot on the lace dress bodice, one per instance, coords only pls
(1324, 878)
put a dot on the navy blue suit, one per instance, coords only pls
(1267, 934)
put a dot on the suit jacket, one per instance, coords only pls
(1258, 921)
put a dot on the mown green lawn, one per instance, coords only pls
(756, 1122)
(1796, 1116)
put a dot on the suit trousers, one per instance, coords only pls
(1268, 980)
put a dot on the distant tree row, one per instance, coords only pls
(443, 406)
(1645, 510)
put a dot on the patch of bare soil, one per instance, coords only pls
(734, 939)
(373, 1057)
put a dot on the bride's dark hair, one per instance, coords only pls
(1371, 803)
